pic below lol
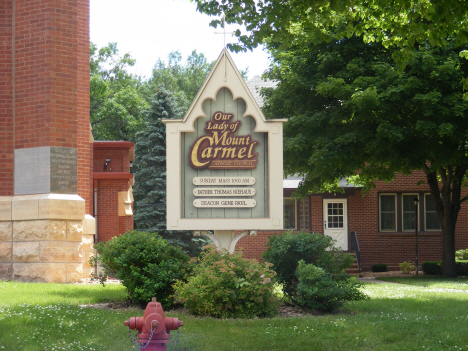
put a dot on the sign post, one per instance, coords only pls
(224, 162)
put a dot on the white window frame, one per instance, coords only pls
(396, 211)
(295, 214)
(425, 211)
(415, 195)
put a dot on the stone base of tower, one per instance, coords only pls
(45, 238)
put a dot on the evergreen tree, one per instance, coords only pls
(150, 174)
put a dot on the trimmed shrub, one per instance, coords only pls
(227, 285)
(462, 268)
(318, 290)
(285, 250)
(146, 264)
(379, 267)
(435, 267)
(432, 267)
(407, 267)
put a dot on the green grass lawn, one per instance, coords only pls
(428, 281)
(396, 317)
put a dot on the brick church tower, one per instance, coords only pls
(46, 233)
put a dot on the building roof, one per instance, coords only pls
(292, 182)
(257, 83)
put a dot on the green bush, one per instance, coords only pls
(227, 285)
(432, 267)
(407, 267)
(146, 264)
(318, 290)
(285, 250)
(435, 267)
(462, 268)
(379, 267)
(461, 255)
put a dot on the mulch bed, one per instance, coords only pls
(387, 274)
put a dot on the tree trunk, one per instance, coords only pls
(447, 200)
(449, 268)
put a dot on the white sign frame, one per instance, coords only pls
(224, 75)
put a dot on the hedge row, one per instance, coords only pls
(435, 267)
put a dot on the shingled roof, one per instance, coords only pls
(255, 84)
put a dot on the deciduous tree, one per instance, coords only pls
(182, 79)
(117, 98)
(353, 112)
(398, 23)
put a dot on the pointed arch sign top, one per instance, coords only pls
(224, 74)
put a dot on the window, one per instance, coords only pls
(397, 213)
(387, 211)
(335, 214)
(409, 211)
(431, 220)
(289, 210)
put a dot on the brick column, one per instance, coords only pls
(45, 183)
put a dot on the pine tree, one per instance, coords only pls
(150, 174)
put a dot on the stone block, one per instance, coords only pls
(86, 256)
(57, 230)
(89, 225)
(74, 273)
(87, 272)
(5, 251)
(5, 271)
(39, 230)
(74, 230)
(5, 208)
(40, 272)
(25, 207)
(88, 242)
(26, 252)
(61, 206)
(61, 251)
(6, 231)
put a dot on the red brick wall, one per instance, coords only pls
(44, 82)
(253, 246)
(109, 222)
(6, 98)
(84, 144)
(45, 59)
(118, 156)
(363, 217)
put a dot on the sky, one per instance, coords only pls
(151, 29)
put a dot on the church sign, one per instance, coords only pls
(224, 159)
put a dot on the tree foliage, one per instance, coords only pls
(182, 79)
(117, 98)
(398, 23)
(150, 173)
(354, 112)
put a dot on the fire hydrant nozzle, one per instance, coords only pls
(153, 328)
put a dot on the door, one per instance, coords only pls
(335, 221)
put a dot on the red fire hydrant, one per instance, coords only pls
(153, 328)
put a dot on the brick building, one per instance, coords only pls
(48, 190)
